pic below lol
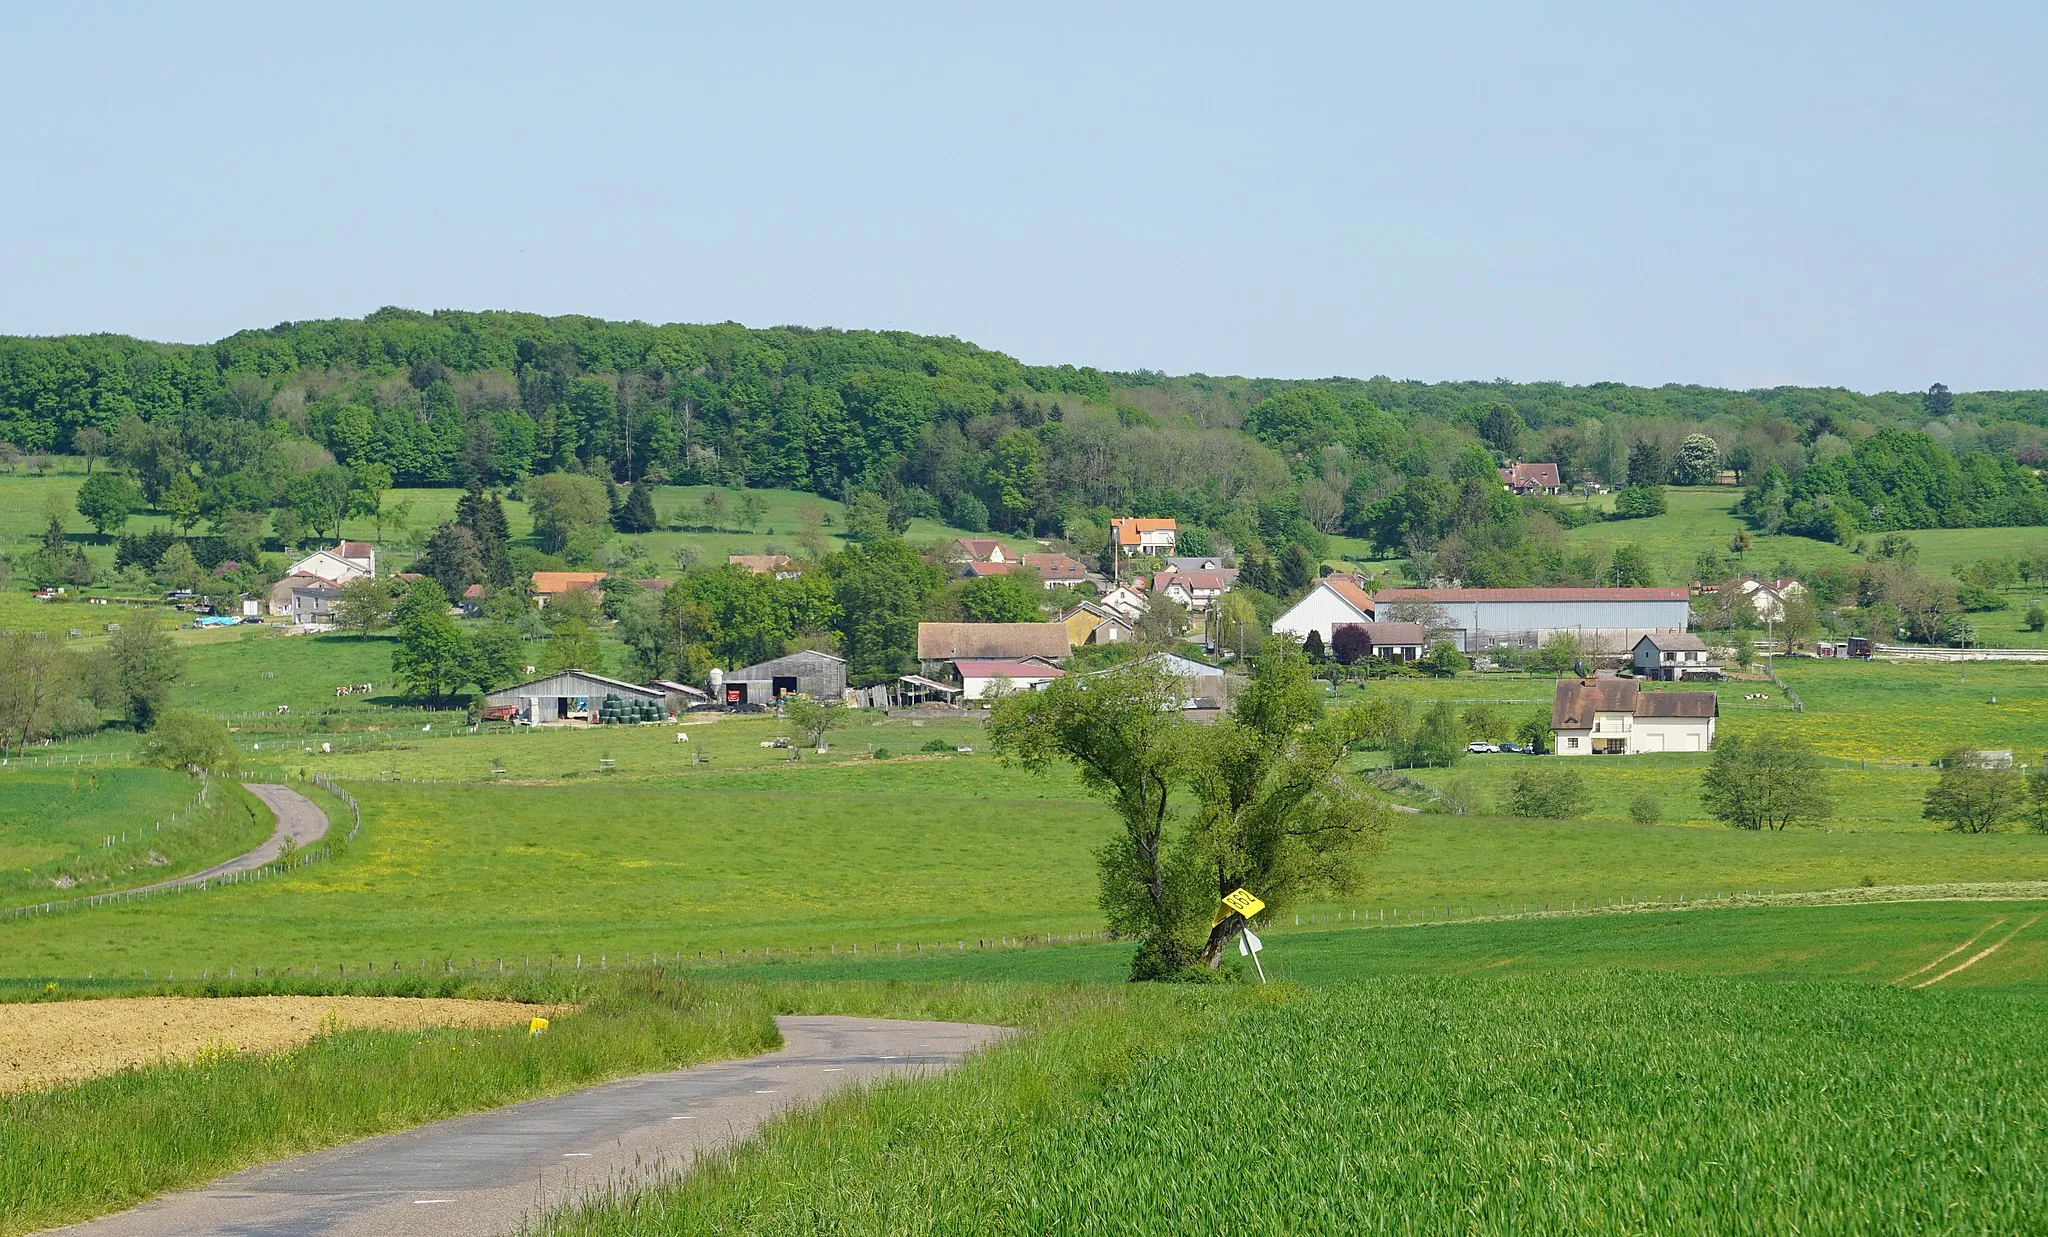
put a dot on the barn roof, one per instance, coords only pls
(554, 583)
(1678, 704)
(1430, 596)
(953, 641)
(618, 685)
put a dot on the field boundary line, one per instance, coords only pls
(1980, 955)
(1976, 936)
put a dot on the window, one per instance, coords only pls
(1572, 743)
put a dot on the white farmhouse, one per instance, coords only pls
(988, 680)
(1333, 600)
(1616, 717)
(350, 560)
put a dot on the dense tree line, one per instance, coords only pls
(939, 426)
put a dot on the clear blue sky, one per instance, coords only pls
(1847, 194)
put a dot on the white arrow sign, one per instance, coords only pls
(1248, 943)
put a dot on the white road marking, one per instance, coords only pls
(834, 1069)
(766, 1091)
(571, 1155)
(423, 1202)
(688, 1116)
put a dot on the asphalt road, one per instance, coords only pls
(486, 1173)
(298, 818)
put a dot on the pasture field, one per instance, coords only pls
(1702, 519)
(53, 823)
(755, 851)
(1919, 710)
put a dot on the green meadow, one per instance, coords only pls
(69, 832)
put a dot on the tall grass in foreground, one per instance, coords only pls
(82, 1150)
(1556, 1103)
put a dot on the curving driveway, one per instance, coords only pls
(488, 1172)
(298, 818)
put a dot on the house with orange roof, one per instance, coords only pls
(553, 584)
(1132, 535)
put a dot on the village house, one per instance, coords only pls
(1532, 478)
(1091, 623)
(1616, 717)
(348, 560)
(781, 566)
(1768, 598)
(1390, 641)
(981, 550)
(549, 585)
(984, 567)
(1057, 570)
(1191, 590)
(1132, 536)
(1674, 655)
(1125, 602)
(1334, 599)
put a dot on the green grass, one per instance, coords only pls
(97, 1146)
(1713, 1070)
(53, 823)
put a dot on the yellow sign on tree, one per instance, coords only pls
(1244, 902)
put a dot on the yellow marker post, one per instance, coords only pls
(1247, 904)
(1244, 902)
(536, 1026)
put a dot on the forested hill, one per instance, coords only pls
(454, 397)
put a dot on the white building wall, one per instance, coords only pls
(1317, 612)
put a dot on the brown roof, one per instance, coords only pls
(1397, 596)
(1577, 700)
(981, 568)
(355, 549)
(554, 583)
(1055, 566)
(1189, 580)
(1389, 633)
(979, 547)
(1349, 590)
(1530, 474)
(1678, 704)
(474, 592)
(952, 641)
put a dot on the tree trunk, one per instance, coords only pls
(1219, 939)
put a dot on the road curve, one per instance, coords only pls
(488, 1172)
(298, 818)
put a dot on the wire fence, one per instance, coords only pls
(291, 861)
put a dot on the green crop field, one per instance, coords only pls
(68, 832)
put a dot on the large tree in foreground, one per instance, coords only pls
(1764, 781)
(1270, 807)
(1124, 732)
(1275, 810)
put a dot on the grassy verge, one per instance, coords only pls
(927, 1156)
(1588, 1102)
(84, 1150)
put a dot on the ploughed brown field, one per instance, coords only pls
(64, 1041)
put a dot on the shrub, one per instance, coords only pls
(189, 741)
(937, 745)
(1645, 810)
(1556, 793)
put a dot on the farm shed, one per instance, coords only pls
(1602, 620)
(821, 676)
(986, 680)
(570, 696)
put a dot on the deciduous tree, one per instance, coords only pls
(1764, 781)
(1976, 792)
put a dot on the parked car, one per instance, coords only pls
(1480, 747)
(1511, 747)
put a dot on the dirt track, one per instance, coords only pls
(63, 1041)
